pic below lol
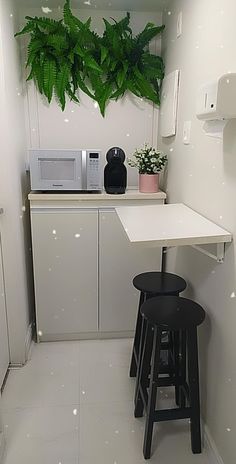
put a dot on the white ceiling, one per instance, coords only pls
(122, 5)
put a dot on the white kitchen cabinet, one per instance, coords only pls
(119, 262)
(4, 346)
(84, 264)
(65, 254)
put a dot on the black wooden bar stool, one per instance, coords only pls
(182, 316)
(151, 284)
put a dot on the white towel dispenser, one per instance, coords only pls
(217, 100)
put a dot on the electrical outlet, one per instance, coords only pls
(179, 24)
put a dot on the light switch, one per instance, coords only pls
(179, 24)
(187, 132)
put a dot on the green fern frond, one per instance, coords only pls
(132, 87)
(70, 20)
(30, 27)
(153, 65)
(58, 42)
(65, 56)
(146, 89)
(47, 24)
(122, 26)
(72, 95)
(49, 78)
(38, 76)
(104, 97)
(148, 34)
(61, 83)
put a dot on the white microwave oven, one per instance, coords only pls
(65, 169)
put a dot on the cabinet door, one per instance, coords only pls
(4, 346)
(119, 262)
(65, 251)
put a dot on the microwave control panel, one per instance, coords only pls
(93, 170)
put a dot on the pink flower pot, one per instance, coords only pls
(148, 183)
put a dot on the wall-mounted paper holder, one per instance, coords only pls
(216, 104)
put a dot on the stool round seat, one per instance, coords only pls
(172, 312)
(163, 283)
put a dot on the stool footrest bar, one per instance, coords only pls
(171, 414)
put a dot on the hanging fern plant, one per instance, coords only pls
(65, 56)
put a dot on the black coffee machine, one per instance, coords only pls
(115, 172)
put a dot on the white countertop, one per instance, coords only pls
(169, 225)
(131, 194)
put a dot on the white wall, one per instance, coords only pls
(13, 186)
(203, 176)
(128, 123)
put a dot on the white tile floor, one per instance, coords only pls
(73, 404)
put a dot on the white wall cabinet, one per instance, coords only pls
(84, 265)
(119, 262)
(65, 253)
(4, 347)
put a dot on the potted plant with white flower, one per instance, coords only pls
(149, 162)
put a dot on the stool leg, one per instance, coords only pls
(135, 352)
(193, 378)
(142, 344)
(182, 398)
(143, 368)
(176, 364)
(152, 394)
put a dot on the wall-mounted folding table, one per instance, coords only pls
(173, 225)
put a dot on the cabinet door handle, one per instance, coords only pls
(1, 210)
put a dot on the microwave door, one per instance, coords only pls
(60, 173)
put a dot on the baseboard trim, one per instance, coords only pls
(210, 448)
(84, 336)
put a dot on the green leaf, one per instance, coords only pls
(49, 79)
(84, 87)
(69, 19)
(121, 75)
(131, 85)
(153, 66)
(30, 27)
(78, 50)
(58, 42)
(61, 84)
(31, 75)
(88, 23)
(104, 97)
(148, 34)
(108, 30)
(38, 76)
(119, 93)
(145, 88)
(47, 24)
(72, 95)
(90, 62)
(35, 45)
(104, 53)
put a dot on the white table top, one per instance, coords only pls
(169, 225)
